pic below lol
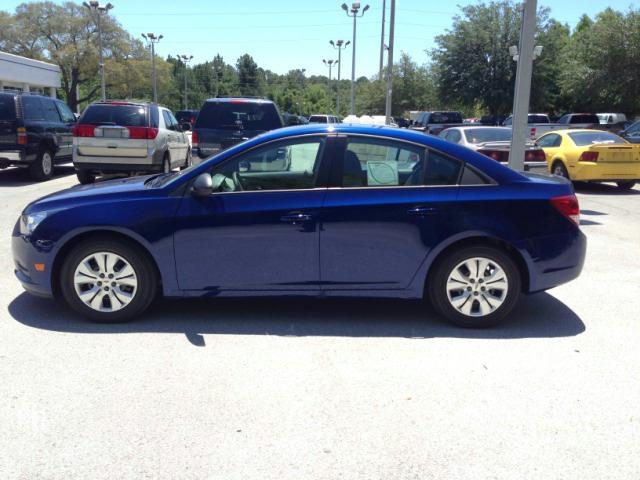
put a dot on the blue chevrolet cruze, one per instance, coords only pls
(341, 210)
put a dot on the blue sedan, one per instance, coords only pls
(318, 210)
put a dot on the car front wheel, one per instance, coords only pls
(475, 287)
(108, 280)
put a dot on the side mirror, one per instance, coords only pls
(186, 126)
(203, 186)
(244, 166)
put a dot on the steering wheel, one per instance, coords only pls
(236, 180)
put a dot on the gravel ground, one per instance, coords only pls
(238, 389)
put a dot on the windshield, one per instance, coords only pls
(238, 115)
(122, 115)
(482, 135)
(594, 138)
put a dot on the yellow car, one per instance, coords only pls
(592, 156)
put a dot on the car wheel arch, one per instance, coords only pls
(476, 240)
(75, 239)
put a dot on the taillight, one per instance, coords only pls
(142, 133)
(194, 138)
(492, 154)
(83, 130)
(568, 206)
(22, 135)
(588, 156)
(534, 156)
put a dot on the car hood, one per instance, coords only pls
(80, 193)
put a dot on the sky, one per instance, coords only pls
(286, 34)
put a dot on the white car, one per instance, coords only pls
(495, 142)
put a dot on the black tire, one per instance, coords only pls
(437, 286)
(627, 185)
(166, 163)
(147, 281)
(85, 177)
(187, 161)
(559, 169)
(42, 167)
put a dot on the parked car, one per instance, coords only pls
(611, 118)
(115, 137)
(592, 155)
(632, 133)
(434, 122)
(540, 123)
(224, 122)
(187, 116)
(293, 119)
(492, 120)
(323, 119)
(315, 210)
(495, 143)
(35, 133)
(402, 122)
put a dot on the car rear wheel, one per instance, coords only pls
(626, 185)
(559, 169)
(475, 287)
(108, 280)
(42, 168)
(85, 177)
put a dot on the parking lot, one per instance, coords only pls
(329, 389)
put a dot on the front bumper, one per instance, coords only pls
(25, 255)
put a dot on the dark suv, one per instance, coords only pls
(223, 122)
(35, 133)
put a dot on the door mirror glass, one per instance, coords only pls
(203, 186)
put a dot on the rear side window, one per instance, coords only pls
(168, 123)
(121, 115)
(32, 108)
(239, 114)
(471, 177)
(441, 170)
(50, 111)
(7, 107)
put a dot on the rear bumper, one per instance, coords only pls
(117, 167)
(151, 163)
(556, 260)
(605, 172)
(537, 167)
(15, 157)
(12, 156)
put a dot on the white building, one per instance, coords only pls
(26, 75)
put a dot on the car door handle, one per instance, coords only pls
(296, 218)
(421, 211)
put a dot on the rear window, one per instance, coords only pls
(121, 115)
(584, 119)
(239, 115)
(445, 117)
(317, 119)
(481, 135)
(594, 138)
(538, 119)
(7, 107)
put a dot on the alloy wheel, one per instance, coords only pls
(477, 287)
(47, 163)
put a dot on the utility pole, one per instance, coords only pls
(524, 57)
(384, 10)
(100, 10)
(392, 21)
(185, 59)
(152, 39)
(339, 45)
(355, 7)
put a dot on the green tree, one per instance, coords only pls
(248, 78)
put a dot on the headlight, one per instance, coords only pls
(29, 222)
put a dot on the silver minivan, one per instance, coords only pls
(120, 137)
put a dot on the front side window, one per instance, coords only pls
(287, 165)
(66, 113)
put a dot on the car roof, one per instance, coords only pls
(238, 100)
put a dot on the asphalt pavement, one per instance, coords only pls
(328, 389)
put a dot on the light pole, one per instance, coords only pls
(100, 10)
(353, 12)
(185, 59)
(330, 64)
(384, 9)
(392, 21)
(152, 39)
(339, 45)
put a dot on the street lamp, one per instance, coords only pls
(185, 59)
(353, 12)
(339, 45)
(152, 39)
(330, 64)
(99, 10)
